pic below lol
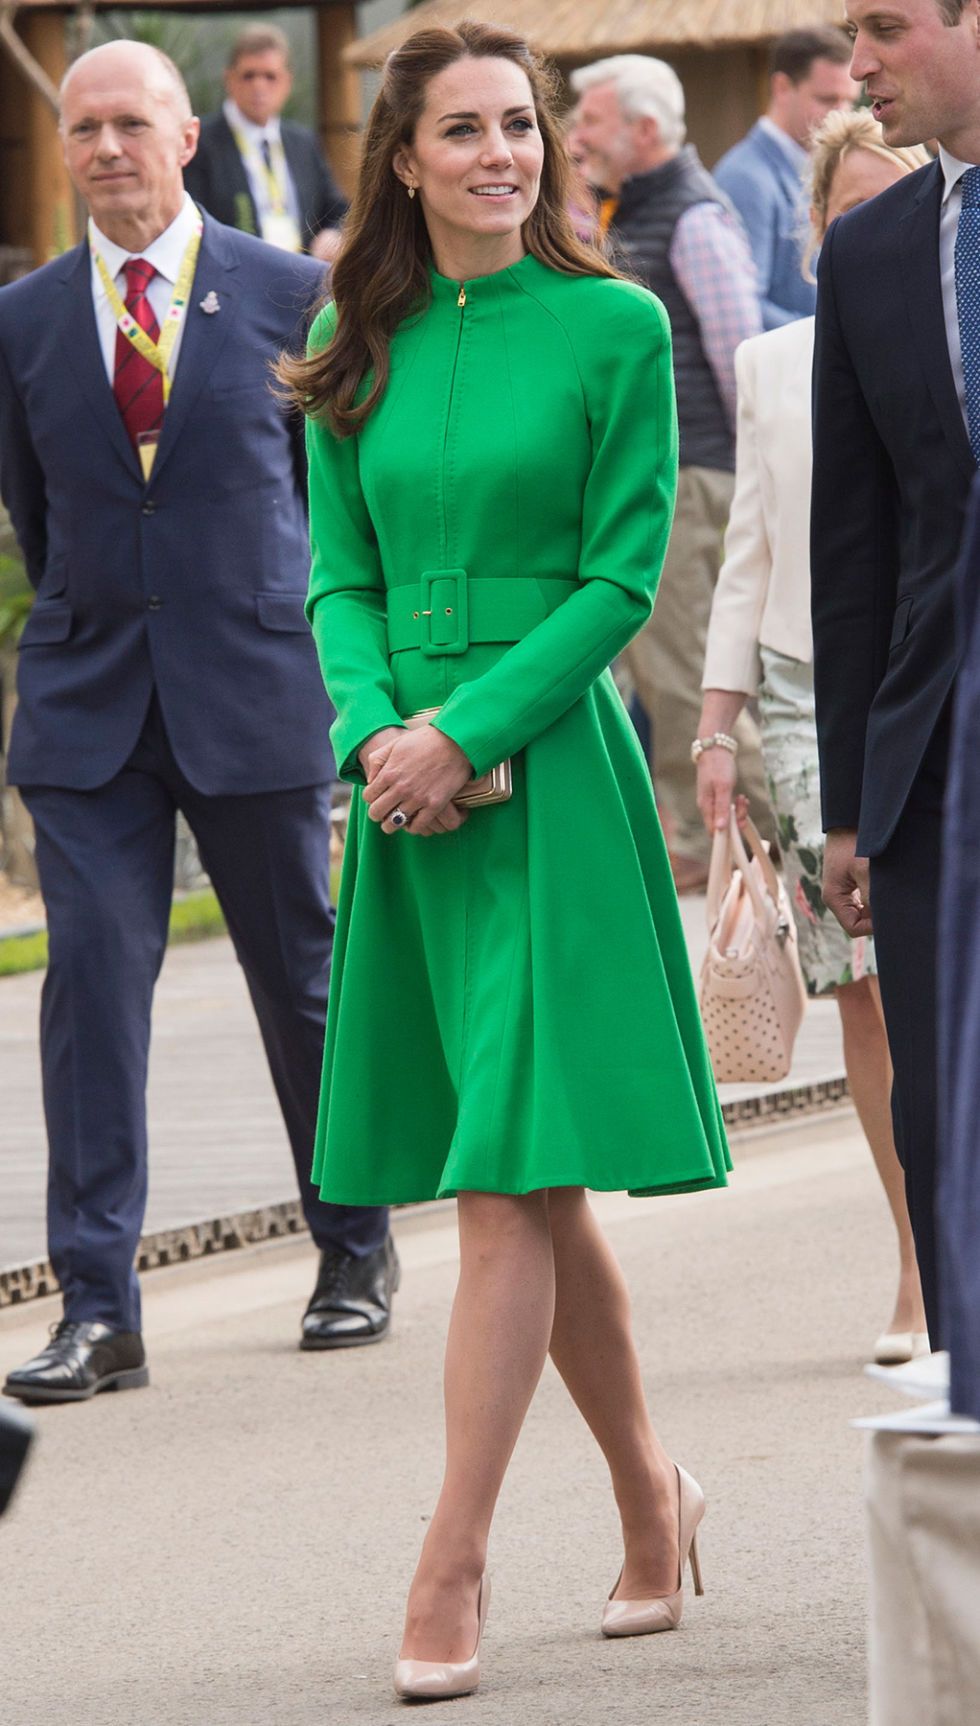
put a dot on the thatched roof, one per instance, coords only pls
(587, 29)
(184, 6)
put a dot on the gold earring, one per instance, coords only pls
(411, 191)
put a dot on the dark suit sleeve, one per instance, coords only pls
(853, 549)
(297, 345)
(197, 183)
(324, 204)
(22, 477)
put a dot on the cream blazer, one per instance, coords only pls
(763, 592)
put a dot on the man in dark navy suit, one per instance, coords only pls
(256, 171)
(896, 445)
(166, 665)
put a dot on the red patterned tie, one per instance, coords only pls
(136, 384)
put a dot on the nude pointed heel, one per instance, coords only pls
(696, 1565)
(664, 1612)
(438, 1680)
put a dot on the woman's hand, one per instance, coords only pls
(716, 770)
(716, 788)
(418, 772)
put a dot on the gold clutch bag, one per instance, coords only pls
(493, 787)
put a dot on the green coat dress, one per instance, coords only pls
(511, 1005)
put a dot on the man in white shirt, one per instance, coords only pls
(256, 171)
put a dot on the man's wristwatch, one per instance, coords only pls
(718, 740)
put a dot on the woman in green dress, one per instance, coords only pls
(492, 449)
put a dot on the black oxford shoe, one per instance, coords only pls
(79, 1361)
(351, 1304)
(16, 1438)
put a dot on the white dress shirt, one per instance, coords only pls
(166, 254)
(949, 222)
(254, 137)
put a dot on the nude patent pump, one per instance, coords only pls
(664, 1612)
(438, 1680)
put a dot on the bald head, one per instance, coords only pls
(153, 69)
(128, 132)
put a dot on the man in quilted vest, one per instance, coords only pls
(671, 226)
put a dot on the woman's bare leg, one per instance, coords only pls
(497, 1346)
(869, 1073)
(592, 1346)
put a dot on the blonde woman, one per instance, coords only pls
(759, 644)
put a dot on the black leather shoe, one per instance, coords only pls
(79, 1361)
(351, 1303)
(16, 1438)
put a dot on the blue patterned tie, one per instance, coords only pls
(968, 299)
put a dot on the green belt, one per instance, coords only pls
(446, 610)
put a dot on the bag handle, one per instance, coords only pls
(727, 853)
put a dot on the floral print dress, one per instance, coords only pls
(789, 747)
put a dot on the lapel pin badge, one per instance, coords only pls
(210, 303)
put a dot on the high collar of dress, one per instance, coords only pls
(446, 289)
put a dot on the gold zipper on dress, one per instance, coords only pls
(462, 296)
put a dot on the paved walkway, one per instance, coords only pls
(217, 1141)
(232, 1546)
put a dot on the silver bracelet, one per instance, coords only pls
(719, 740)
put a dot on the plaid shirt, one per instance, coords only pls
(713, 267)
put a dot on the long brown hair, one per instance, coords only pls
(382, 272)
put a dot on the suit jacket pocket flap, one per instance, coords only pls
(48, 622)
(281, 611)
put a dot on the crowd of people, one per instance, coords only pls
(558, 370)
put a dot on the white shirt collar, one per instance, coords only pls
(953, 171)
(794, 152)
(165, 253)
(252, 133)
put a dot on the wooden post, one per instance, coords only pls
(340, 91)
(48, 211)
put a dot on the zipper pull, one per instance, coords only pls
(462, 296)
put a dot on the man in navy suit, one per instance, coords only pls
(896, 446)
(764, 174)
(166, 665)
(257, 172)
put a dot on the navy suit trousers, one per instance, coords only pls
(106, 864)
(905, 908)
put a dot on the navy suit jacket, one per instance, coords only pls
(767, 192)
(959, 1002)
(892, 471)
(193, 584)
(216, 178)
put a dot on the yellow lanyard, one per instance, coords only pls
(272, 178)
(158, 353)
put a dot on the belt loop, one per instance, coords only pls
(444, 609)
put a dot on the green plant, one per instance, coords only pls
(16, 598)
